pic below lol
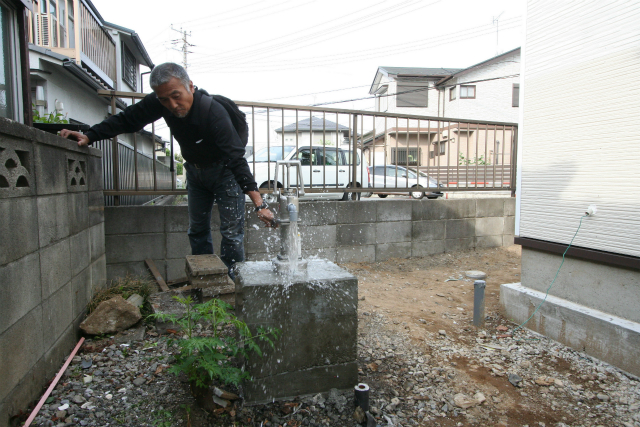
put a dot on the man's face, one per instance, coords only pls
(175, 97)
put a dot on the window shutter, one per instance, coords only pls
(415, 96)
(515, 97)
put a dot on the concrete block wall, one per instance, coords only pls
(368, 231)
(52, 255)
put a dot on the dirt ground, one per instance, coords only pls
(434, 291)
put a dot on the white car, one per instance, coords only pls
(385, 178)
(322, 166)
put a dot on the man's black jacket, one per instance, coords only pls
(200, 143)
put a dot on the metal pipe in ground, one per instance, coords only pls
(361, 395)
(478, 302)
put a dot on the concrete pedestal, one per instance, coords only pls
(316, 312)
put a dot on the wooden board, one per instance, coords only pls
(156, 274)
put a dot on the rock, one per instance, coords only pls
(86, 364)
(479, 397)
(136, 300)
(108, 396)
(111, 316)
(442, 332)
(225, 394)
(87, 379)
(139, 381)
(78, 399)
(603, 397)
(371, 421)
(359, 415)
(463, 401)
(515, 379)
(476, 274)
(374, 410)
(544, 381)
(130, 335)
(61, 414)
(221, 402)
(391, 407)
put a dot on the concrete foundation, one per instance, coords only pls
(316, 312)
(610, 338)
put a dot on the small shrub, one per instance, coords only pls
(204, 359)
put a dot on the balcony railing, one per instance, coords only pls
(386, 153)
(75, 32)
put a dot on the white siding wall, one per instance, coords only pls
(580, 133)
(493, 100)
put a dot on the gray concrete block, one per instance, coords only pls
(25, 393)
(394, 210)
(178, 245)
(262, 240)
(176, 219)
(57, 314)
(318, 322)
(489, 241)
(322, 253)
(356, 234)
(508, 239)
(96, 207)
(453, 245)
(16, 167)
(98, 274)
(259, 256)
(134, 247)
(136, 268)
(10, 128)
(426, 248)
(356, 254)
(302, 383)
(19, 225)
(55, 267)
(605, 336)
(96, 241)
(51, 170)
(80, 249)
(510, 206)
(94, 173)
(429, 210)
(21, 346)
(55, 356)
(428, 230)
(53, 219)
(460, 228)
(78, 212)
(357, 213)
(175, 269)
(489, 226)
(134, 219)
(489, 207)
(393, 250)
(318, 212)
(20, 289)
(82, 291)
(391, 232)
(509, 225)
(313, 237)
(461, 208)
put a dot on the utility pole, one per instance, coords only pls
(496, 21)
(185, 45)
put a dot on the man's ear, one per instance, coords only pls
(191, 88)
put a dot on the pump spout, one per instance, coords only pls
(293, 212)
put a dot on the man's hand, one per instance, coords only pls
(267, 217)
(76, 136)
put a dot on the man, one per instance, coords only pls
(214, 153)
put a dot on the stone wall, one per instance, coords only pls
(367, 230)
(52, 256)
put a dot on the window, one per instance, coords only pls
(439, 149)
(403, 156)
(452, 93)
(412, 95)
(8, 73)
(72, 33)
(467, 92)
(515, 95)
(129, 67)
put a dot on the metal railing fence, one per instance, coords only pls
(352, 151)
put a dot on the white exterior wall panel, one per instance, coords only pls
(580, 131)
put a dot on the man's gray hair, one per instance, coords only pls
(163, 73)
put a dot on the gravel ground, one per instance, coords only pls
(418, 376)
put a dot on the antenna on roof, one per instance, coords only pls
(496, 21)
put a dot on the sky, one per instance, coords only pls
(308, 52)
